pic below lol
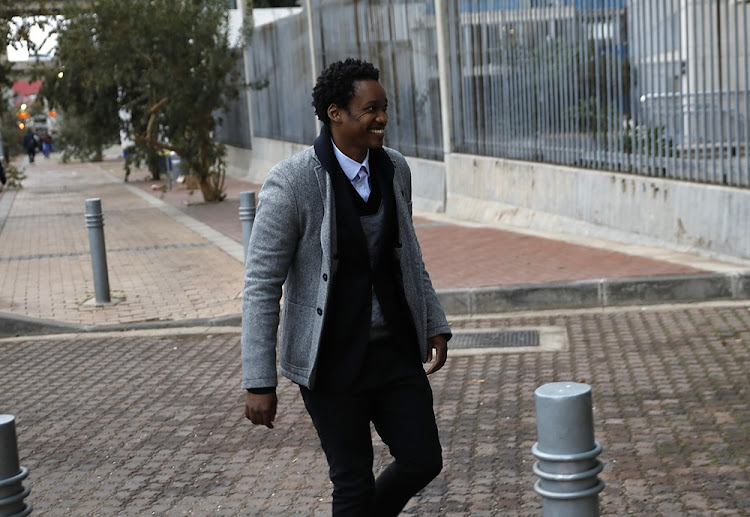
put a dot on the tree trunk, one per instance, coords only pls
(152, 161)
(209, 190)
(211, 181)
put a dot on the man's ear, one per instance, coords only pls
(334, 113)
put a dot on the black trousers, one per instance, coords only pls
(393, 393)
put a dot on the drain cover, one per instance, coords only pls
(494, 339)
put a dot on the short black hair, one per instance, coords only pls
(335, 85)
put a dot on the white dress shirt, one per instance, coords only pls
(358, 173)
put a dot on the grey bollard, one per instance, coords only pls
(12, 492)
(566, 451)
(247, 216)
(95, 224)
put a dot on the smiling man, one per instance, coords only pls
(360, 315)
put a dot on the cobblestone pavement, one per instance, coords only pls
(159, 269)
(138, 423)
(465, 255)
(172, 257)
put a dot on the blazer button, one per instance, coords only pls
(325, 277)
(320, 311)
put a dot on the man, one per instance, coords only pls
(360, 315)
(46, 143)
(30, 144)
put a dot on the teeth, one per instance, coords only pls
(378, 131)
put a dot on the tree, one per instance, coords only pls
(167, 64)
(5, 65)
(16, 22)
(91, 119)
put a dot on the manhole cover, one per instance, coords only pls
(494, 339)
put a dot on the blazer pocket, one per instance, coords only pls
(296, 333)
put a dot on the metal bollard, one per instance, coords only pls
(247, 216)
(95, 224)
(566, 451)
(12, 492)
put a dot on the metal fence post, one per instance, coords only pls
(566, 451)
(247, 216)
(12, 492)
(95, 224)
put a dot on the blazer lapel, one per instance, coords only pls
(383, 172)
(328, 241)
(403, 207)
(346, 215)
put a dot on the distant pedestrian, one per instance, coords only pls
(30, 144)
(2, 173)
(46, 143)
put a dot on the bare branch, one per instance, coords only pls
(155, 143)
(152, 118)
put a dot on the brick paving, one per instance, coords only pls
(161, 268)
(141, 423)
(150, 423)
(158, 268)
(459, 255)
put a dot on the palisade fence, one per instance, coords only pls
(280, 60)
(399, 36)
(234, 122)
(657, 88)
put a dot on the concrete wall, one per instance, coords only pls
(633, 209)
(709, 219)
(428, 184)
(254, 164)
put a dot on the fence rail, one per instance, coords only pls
(641, 87)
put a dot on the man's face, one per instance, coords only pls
(362, 125)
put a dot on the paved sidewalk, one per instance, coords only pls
(173, 258)
(150, 423)
(158, 268)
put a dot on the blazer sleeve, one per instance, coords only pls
(272, 245)
(437, 323)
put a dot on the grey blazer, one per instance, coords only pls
(293, 243)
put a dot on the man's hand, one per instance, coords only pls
(261, 409)
(440, 344)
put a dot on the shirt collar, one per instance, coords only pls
(349, 166)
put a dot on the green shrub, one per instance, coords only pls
(13, 177)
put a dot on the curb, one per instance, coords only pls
(16, 325)
(605, 292)
(6, 200)
(12, 325)
(476, 301)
